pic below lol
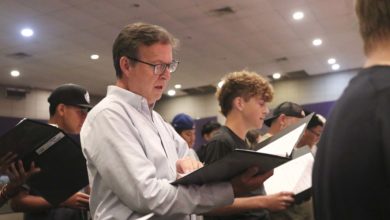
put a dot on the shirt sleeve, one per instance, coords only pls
(112, 144)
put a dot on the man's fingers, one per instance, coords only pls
(21, 170)
(187, 165)
(8, 158)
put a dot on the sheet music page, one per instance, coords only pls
(284, 145)
(145, 217)
(293, 176)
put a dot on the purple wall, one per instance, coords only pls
(323, 108)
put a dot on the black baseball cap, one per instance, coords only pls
(288, 109)
(70, 94)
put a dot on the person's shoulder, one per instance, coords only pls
(377, 76)
(109, 104)
(222, 135)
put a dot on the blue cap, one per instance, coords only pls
(182, 122)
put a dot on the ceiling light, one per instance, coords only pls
(331, 61)
(276, 75)
(335, 66)
(27, 32)
(171, 92)
(94, 57)
(298, 15)
(15, 73)
(220, 84)
(317, 42)
(178, 86)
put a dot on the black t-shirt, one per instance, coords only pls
(351, 176)
(224, 142)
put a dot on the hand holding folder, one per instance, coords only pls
(62, 164)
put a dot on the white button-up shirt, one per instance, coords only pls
(131, 157)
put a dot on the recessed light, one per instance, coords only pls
(220, 84)
(276, 75)
(331, 61)
(15, 73)
(298, 15)
(178, 86)
(317, 42)
(27, 32)
(335, 66)
(94, 57)
(171, 92)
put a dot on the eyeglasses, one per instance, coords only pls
(161, 67)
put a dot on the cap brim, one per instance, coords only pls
(85, 106)
(268, 121)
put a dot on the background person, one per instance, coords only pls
(184, 125)
(243, 101)
(351, 176)
(208, 131)
(69, 105)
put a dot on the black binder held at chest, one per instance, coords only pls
(240, 160)
(63, 166)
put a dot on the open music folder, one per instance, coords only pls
(272, 152)
(293, 176)
(63, 166)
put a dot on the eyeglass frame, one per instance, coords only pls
(165, 65)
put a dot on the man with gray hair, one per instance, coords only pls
(132, 153)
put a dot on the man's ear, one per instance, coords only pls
(125, 66)
(238, 103)
(60, 109)
(282, 120)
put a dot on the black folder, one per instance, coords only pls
(240, 160)
(63, 166)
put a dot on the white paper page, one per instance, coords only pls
(145, 217)
(285, 144)
(293, 176)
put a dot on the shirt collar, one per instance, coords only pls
(135, 100)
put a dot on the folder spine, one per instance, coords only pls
(49, 143)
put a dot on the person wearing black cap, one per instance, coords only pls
(69, 105)
(285, 114)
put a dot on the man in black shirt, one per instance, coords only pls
(243, 100)
(69, 105)
(351, 176)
